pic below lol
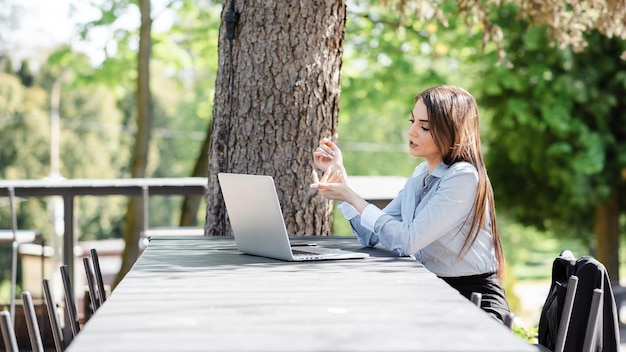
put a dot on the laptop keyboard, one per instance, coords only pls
(299, 252)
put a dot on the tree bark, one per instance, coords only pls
(135, 213)
(286, 60)
(607, 234)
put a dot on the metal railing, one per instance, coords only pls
(68, 189)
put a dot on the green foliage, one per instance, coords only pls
(528, 334)
(529, 252)
(25, 74)
(387, 61)
(110, 12)
(6, 64)
(557, 127)
(23, 146)
(68, 67)
(23, 129)
(184, 68)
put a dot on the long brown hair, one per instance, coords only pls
(454, 126)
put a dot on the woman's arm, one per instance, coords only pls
(364, 235)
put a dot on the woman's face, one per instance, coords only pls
(421, 143)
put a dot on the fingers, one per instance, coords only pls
(335, 177)
(328, 145)
(328, 177)
(316, 180)
(331, 176)
(324, 152)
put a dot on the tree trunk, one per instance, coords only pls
(286, 60)
(607, 234)
(135, 213)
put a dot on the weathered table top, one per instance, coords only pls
(201, 294)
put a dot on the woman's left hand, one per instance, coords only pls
(333, 186)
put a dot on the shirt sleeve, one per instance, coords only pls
(365, 236)
(347, 210)
(370, 216)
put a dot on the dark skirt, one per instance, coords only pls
(493, 298)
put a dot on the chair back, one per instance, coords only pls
(572, 285)
(70, 302)
(31, 323)
(476, 298)
(53, 315)
(94, 297)
(579, 312)
(98, 271)
(8, 333)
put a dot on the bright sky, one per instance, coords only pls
(41, 21)
(45, 24)
(42, 24)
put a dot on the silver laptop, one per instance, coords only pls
(258, 225)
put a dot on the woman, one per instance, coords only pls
(445, 215)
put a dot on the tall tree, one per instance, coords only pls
(556, 141)
(566, 21)
(135, 212)
(277, 94)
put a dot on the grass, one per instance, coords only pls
(527, 334)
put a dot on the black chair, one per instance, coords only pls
(594, 318)
(94, 296)
(31, 323)
(477, 299)
(55, 322)
(566, 316)
(580, 309)
(8, 333)
(99, 281)
(70, 302)
(509, 320)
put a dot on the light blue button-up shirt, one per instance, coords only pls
(428, 219)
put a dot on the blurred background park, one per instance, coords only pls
(553, 116)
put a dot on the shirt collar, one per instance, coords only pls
(439, 170)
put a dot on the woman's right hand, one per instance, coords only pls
(328, 155)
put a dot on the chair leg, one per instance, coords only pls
(55, 321)
(561, 335)
(8, 333)
(592, 324)
(31, 323)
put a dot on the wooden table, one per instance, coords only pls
(201, 294)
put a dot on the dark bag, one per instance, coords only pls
(591, 275)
